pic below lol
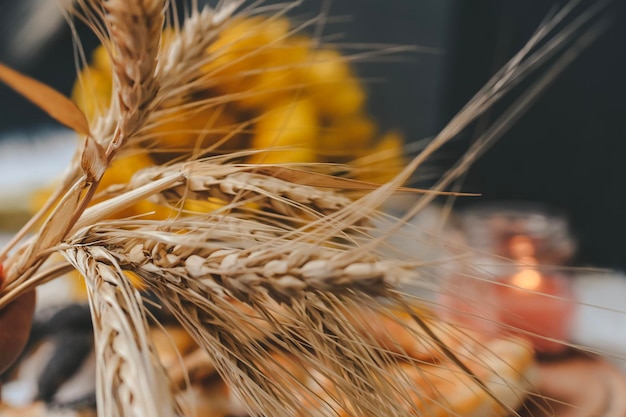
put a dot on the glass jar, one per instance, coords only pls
(515, 281)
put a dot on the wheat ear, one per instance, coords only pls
(304, 301)
(135, 32)
(130, 380)
(184, 55)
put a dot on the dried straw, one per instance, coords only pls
(289, 274)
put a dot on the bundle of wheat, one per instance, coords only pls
(285, 261)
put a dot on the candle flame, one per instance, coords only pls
(528, 279)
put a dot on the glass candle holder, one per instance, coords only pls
(515, 283)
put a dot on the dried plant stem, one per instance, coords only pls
(17, 288)
(135, 59)
(32, 222)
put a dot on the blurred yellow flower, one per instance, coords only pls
(296, 103)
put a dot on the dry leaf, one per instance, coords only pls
(59, 222)
(93, 160)
(47, 99)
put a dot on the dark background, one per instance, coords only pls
(567, 151)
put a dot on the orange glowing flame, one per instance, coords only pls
(527, 279)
